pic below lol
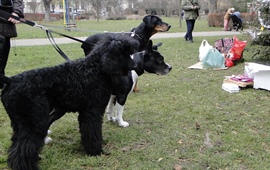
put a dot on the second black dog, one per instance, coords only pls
(151, 61)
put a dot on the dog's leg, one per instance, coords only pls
(119, 110)
(55, 115)
(110, 109)
(90, 124)
(135, 89)
(27, 142)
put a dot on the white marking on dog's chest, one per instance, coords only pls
(134, 78)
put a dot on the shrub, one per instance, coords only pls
(116, 18)
(40, 17)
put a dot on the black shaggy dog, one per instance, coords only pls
(82, 86)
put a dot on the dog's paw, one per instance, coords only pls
(47, 140)
(49, 132)
(123, 124)
(112, 119)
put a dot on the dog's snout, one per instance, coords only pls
(169, 26)
(170, 67)
(135, 65)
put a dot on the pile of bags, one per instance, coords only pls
(226, 53)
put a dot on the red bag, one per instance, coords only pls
(236, 52)
(237, 49)
(229, 62)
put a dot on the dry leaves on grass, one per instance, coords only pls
(207, 141)
(177, 167)
(135, 146)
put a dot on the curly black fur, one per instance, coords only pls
(82, 86)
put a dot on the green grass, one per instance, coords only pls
(88, 27)
(162, 117)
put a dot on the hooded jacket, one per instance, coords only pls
(228, 13)
(191, 9)
(8, 29)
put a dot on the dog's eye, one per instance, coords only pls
(160, 60)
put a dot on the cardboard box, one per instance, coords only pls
(260, 74)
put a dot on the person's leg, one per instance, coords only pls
(189, 27)
(191, 30)
(187, 24)
(4, 52)
(226, 22)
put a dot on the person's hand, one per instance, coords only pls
(14, 21)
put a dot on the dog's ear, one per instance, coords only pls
(4, 80)
(116, 54)
(150, 21)
(132, 30)
(149, 46)
(155, 47)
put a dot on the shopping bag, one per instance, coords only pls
(213, 59)
(235, 54)
(237, 49)
(203, 49)
(223, 45)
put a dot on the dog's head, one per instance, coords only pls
(156, 24)
(154, 61)
(114, 52)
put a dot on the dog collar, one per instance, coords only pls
(139, 70)
(133, 34)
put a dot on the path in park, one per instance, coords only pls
(45, 41)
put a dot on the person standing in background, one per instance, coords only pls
(8, 28)
(191, 9)
(227, 19)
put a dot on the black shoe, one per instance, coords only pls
(191, 41)
(186, 39)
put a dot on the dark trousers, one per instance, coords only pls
(190, 26)
(4, 52)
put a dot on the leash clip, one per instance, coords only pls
(40, 26)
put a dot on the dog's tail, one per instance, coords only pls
(4, 80)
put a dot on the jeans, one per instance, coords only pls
(190, 26)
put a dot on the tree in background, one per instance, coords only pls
(261, 39)
(213, 6)
(103, 8)
(47, 9)
(97, 5)
(33, 5)
(114, 7)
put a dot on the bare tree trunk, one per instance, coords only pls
(97, 4)
(213, 6)
(98, 12)
(180, 14)
(47, 9)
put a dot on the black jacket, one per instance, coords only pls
(8, 29)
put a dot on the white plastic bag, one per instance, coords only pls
(203, 49)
